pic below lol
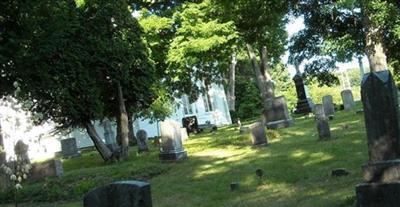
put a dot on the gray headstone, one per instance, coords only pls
(142, 140)
(120, 194)
(258, 135)
(348, 100)
(277, 114)
(42, 170)
(184, 134)
(329, 108)
(69, 148)
(323, 128)
(171, 148)
(382, 171)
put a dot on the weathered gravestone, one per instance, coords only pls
(381, 112)
(258, 135)
(171, 148)
(142, 139)
(51, 168)
(184, 134)
(324, 131)
(120, 194)
(348, 100)
(304, 103)
(69, 148)
(329, 108)
(277, 114)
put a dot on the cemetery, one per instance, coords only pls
(205, 103)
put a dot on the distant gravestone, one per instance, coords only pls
(69, 148)
(324, 131)
(120, 194)
(348, 100)
(277, 114)
(51, 168)
(329, 108)
(171, 148)
(184, 134)
(258, 135)
(142, 139)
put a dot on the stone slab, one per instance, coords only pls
(378, 194)
(173, 156)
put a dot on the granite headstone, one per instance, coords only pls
(258, 135)
(277, 114)
(329, 108)
(171, 148)
(348, 100)
(69, 148)
(323, 128)
(142, 140)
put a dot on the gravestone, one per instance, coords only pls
(324, 131)
(382, 171)
(51, 168)
(348, 100)
(69, 148)
(142, 139)
(184, 134)
(277, 115)
(258, 135)
(109, 136)
(329, 108)
(304, 103)
(171, 148)
(191, 124)
(120, 194)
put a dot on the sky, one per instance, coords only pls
(296, 25)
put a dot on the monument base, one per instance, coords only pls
(69, 156)
(173, 156)
(378, 194)
(304, 106)
(280, 124)
(382, 171)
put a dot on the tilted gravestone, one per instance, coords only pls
(329, 108)
(120, 194)
(171, 148)
(324, 131)
(69, 148)
(257, 133)
(348, 100)
(382, 171)
(51, 168)
(142, 139)
(277, 114)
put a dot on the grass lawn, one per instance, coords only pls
(296, 164)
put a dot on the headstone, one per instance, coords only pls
(329, 108)
(51, 168)
(277, 115)
(69, 148)
(324, 131)
(258, 135)
(381, 112)
(141, 136)
(109, 136)
(171, 148)
(184, 134)
(304, 103)
(191, 124)
(120, 194)
(348, 100)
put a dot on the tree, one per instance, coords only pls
(85, 63)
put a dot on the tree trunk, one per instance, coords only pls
(261, 81)
(131, 133)
(373, 43)
(265, 71)
(105, 153)
(123, 125)
(231, 89)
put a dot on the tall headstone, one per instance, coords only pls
(304, 103)
(171, 148)
(69, 148)
(323, 128)
(348, 100)
(120, 194)
(258, 135)
(382, 171)
(142, 140)
(277, 115)
(329, 108)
